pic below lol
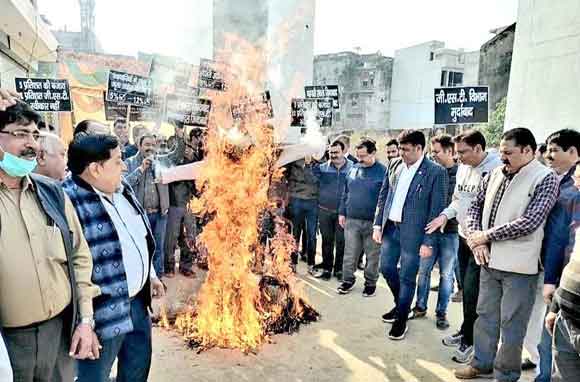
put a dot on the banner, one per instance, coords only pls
(468, 104)
(45, 94)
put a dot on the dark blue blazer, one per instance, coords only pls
(425, 201)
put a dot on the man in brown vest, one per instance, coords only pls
(505, 224)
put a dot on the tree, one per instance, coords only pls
(494, 129)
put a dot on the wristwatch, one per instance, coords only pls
(88, 321)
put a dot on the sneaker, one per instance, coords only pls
(463, 354)
(470, 372)
(527, 364)
(369, 291)
(453, 340)
(417, 313)
(457, 296)
(390, 317)
(442, 322)
(398, 330)
(434, 288)
(324, 275)
(345, 288)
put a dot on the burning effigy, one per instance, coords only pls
(250, 291)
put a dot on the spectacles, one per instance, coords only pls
(21, 134)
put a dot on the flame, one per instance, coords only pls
(232, 310)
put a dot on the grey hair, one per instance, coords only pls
(47, 141)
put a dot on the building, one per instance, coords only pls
(86, 40)
(543, 90)
(25, 39)
(364, 82)
(281, 35)
(495, 61)
(471, 71)
(417, 71)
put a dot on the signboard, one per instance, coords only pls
(468, 104)
(253, 108)
(211, 75)
(115, 110)
(321, 108)
(188, 108)
(323, 91)
(45, 94)
(126, 88)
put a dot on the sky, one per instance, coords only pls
(184, 27)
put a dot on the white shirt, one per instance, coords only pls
(132, 234)
(403, 184)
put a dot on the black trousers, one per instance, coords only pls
(332, 238)
(469, 272)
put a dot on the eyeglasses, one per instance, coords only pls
(22, 134)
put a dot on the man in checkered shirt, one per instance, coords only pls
(505, 231)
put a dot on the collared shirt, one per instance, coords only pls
(404, 182)
(34, 281)
(132, 234)
(542, 201)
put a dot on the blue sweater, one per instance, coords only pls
(331, 181)
(361, 191)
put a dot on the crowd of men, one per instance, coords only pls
(96, 230)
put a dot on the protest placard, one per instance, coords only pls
(185, 106)
(114, 110)
(323, 91)
(254, 108)
(126, 88)
(45, 94)
(468, 104)
(320, 107)
(211, 75)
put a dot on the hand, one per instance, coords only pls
(377, 237)
(425, 251)
(82, 343)
(481, 255)
(157, 288)
(342, 221)
(308, 160)
(147, 162)
(7, 98)
(476, 239)
(550, 321)
(548, 293)
(439, 222)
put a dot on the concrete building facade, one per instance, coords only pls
(417, 71)
(495, 61)
(543, 90)
(25, 39)
(364, 82)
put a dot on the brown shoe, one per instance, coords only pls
(470, 372)
(188, 273)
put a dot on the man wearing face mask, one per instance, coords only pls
(505, 232)
(46, 290)
(142, 174)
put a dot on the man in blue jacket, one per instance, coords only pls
(562, 157)
(413, 193)
(357, 207)
(332, 177)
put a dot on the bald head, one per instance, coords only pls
(51, 157)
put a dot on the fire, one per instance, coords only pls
(250, 290)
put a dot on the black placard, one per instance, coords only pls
(211, 75)
(259, 107)
(45, 94)
(322, 107)
(188, 109)
(323, 91)
(468, 104)
(115, 110)
(126, 88)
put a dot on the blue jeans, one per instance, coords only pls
(305, 210)
(158, 225)
(402, 286)
(445, 252)
(133, 351)
(545, 349)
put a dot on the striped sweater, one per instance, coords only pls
(112, 307)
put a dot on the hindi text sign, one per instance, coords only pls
(323, 91)
(126, 88)
(468, 104)
(45, 94)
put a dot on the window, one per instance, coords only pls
(365, 83)
(444, 78)
(431, 56)
(455, 79)
(354, 100)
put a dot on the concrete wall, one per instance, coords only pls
(471, 72)
(495, 64)
(414, 78)
(545, 73)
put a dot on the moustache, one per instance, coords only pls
(505, 161)
(28, 153)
